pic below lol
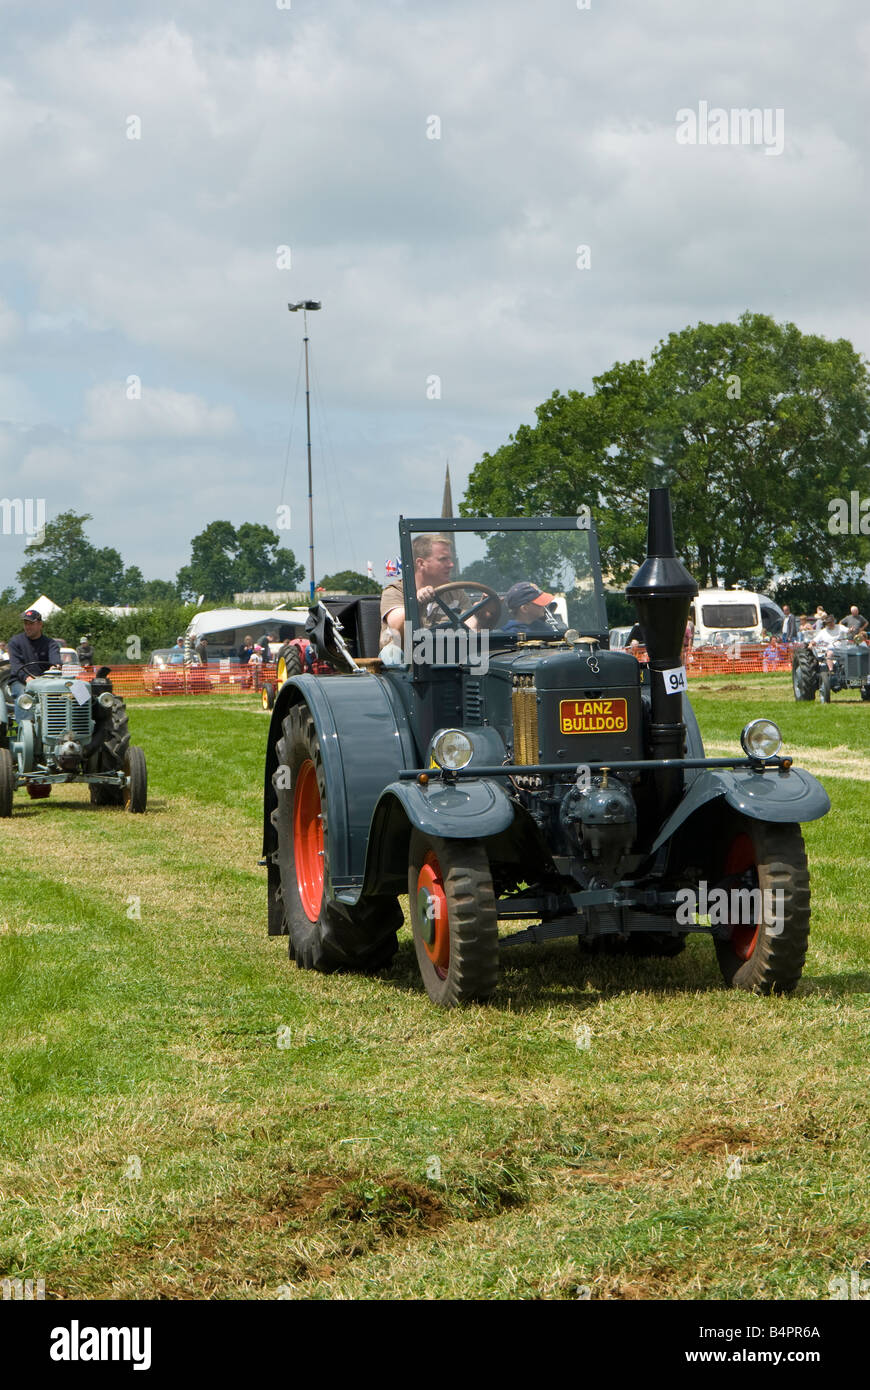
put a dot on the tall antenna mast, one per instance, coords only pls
(305, 305)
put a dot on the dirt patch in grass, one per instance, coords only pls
(393, 1205)
(717, 1139)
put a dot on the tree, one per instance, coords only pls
(154, 590)
(225, 560)
(66, 566)
(350, 582)
(754, 426)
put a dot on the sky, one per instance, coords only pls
(174, 174)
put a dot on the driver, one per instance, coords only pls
(433, 562)
(830, 633)
(529, 611)
(31, 653)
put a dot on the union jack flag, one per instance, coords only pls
(393, 569)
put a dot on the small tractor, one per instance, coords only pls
(62, 729)
(502, 767)
(849, 670)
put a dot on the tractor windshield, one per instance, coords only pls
(517, 577)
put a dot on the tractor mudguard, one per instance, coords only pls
(365, 743)
(466, 811)
(783, 797)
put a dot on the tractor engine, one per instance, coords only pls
(602, 817)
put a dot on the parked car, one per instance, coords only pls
(167, 674)
(731, 642)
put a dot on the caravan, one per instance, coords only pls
(736, 611)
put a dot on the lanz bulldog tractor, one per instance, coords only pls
(504, 766)
(849, 670)
(65, 730)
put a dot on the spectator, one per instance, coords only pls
(201, 650)
(854, 621)
(245, 650)
(789, 624)
(85, 652)
(819, 618)
(255, 664)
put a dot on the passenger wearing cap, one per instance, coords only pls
(31, 653)
(529, 611)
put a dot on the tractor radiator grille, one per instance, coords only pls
(60, 713)
(473, 711)
(524, 703)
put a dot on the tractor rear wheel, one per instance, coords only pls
(7, 783)
(454, 918)
(114, 750)
(289, 662)
(324, 935)
(763, 946)
(804, 674)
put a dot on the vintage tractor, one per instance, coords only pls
(500, 769)
(62, 729)
(850, 670)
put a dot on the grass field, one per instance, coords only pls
(184, 1114)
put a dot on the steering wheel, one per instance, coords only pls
(459, 585)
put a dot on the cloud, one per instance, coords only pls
(114, 412)
(455, 257)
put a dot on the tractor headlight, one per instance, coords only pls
(26, 701)
(761, 739)
(452, 749)
(107, 699)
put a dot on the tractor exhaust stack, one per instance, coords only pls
(661, 591)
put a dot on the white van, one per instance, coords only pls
(734, 610)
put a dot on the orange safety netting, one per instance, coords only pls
(769, 658)
(194, 680)
(197, 680)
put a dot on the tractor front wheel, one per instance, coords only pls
(825, 688)
(268, 695)
(7, 783)
(324, 935)
(763, 945)
(453, 918)
(136, 790)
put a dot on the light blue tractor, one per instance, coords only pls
(62, 729)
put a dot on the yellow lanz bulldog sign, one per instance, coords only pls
(593, 716)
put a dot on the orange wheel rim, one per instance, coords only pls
(741, 857)
(432, 915)
(308, 840)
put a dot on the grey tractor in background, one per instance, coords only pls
(62, 729)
